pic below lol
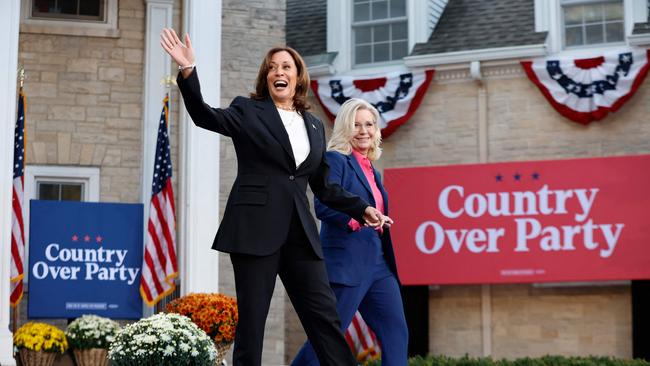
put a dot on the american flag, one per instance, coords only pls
(159, 265)
(362, 340)
(17, 227)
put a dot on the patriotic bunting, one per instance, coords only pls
(396, 95)
(585, 90)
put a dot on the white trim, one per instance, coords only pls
(488, 54)
(542, 11)
(157, 66)
(639, 39)
(639, 11)
(339, 33)
(9, 30)
(548, 17)
(418, 16)
(421, 20)
(199, 179)
(73, 174)
(321, 70)
(107, 28)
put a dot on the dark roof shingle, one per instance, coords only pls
(307, 26)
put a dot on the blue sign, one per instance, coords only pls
(85, 258)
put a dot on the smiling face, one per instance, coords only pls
(281, 78)
(365, 128)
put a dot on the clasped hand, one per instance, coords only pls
(374, 218)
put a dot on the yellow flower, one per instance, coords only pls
(40, 336)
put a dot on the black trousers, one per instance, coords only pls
(305, 278)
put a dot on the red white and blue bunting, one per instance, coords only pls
(585, 90)
(396, 95)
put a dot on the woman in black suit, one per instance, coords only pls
(267, 227)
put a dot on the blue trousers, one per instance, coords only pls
(379, 301)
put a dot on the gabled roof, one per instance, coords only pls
(464, 25)
(478, 24)
(307, 26)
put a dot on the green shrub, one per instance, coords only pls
(527, 361)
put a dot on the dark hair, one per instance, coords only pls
(302, 83)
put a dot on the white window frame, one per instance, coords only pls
(339, 35)
(88, 176)
(548, 18)
(107, 28)
(373, 23)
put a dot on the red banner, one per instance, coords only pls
(538, 221)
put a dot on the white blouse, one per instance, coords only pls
(295, 126)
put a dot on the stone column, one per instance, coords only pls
(9, 24)
(199, 179)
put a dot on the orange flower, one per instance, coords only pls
(215, 313)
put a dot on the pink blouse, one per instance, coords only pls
(366, 167)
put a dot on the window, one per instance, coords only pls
(95, 18)
(59, 183)
(591, 23)
(59, 191)
(69, 9)
(379, 31)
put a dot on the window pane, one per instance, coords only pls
(380, 10)
(68, 6)
(362, 55)
(573, 36)
(572, 15)
(613, 11)
(593, 13)
(71, 192)
(90, 7)
(362, 35)
(381, 52)
(48, 191)
(42, 6)
(399, 31)
(614, 32)
(381, 33)
(361, 12)
(399, 50)
(397, 8)
(594, 34)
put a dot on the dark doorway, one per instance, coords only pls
(641, 319)
(416, 309)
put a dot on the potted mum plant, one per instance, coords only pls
(89, 337)
(39, 343)
(215, 313)
(162, 340)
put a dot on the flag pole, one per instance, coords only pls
(167, 81)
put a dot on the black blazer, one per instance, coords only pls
(268, 184)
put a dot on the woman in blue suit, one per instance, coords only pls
(360, 261)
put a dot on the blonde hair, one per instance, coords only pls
(344, 129)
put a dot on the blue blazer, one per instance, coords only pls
(348, 254)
